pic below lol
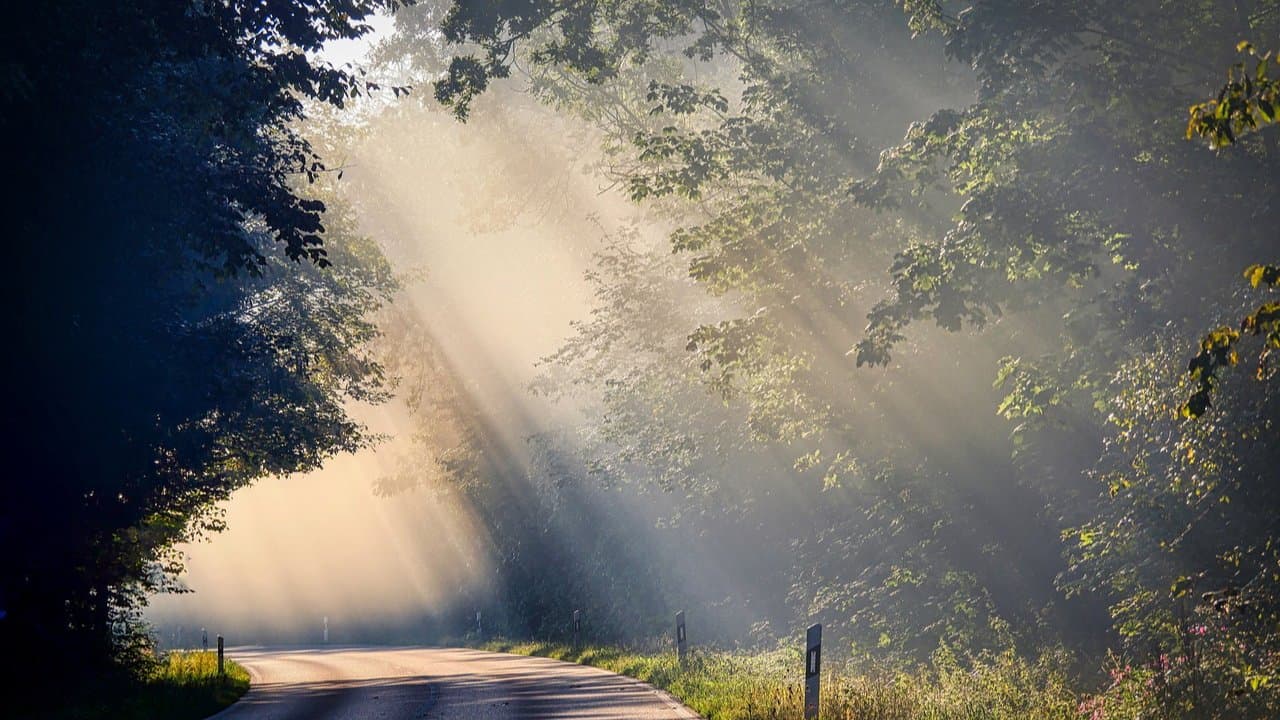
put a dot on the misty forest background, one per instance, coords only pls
(944, 324)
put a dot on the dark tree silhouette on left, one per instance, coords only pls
(161, 349)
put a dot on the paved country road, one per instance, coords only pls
(354, 683)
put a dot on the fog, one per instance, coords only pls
(949, 326)
(303, 548)
(586, 419)
(504, 235)
(497, 222)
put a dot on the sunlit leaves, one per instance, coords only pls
(1056, 208)
(949, 281)
(926, 15)
(1262, 275)
(1219, 349)
(1030, 391)
(1185, 541)
(1247, 102)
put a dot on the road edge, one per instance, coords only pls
(685, 712)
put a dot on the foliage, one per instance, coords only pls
(1247, 102)
(187, 318)
(1218, 350)
(761, 686)
(860, 547)
(1043, 194)
(1186, 544)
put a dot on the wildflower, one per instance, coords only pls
(1094, 708)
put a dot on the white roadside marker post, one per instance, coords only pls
(326, 629)
(812, 670)
(681, 643)
(577, 627)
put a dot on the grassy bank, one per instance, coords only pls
(181, 686)
(767, 686)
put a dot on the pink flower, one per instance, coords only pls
(1094, 708)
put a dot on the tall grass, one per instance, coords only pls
(768, 686)
(194, 676)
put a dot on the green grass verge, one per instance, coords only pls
(767, 686)
(181, 686)
(187, 685)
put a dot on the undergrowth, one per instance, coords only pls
(721, 685)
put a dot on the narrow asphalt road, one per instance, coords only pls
(354, 683)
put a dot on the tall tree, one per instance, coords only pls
(1017, 168)
(180, 328)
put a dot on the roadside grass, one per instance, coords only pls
(722, 685)
(186, 684)
(180, 686)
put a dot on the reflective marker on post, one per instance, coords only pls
(479, 630)
(577, 626)
(326, 628)
(220, 670)
(812, 670)
(680, 637)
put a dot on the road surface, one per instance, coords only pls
(358, 683)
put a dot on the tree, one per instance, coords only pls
(1246, 103)
(180, 328)
(1020, 169)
